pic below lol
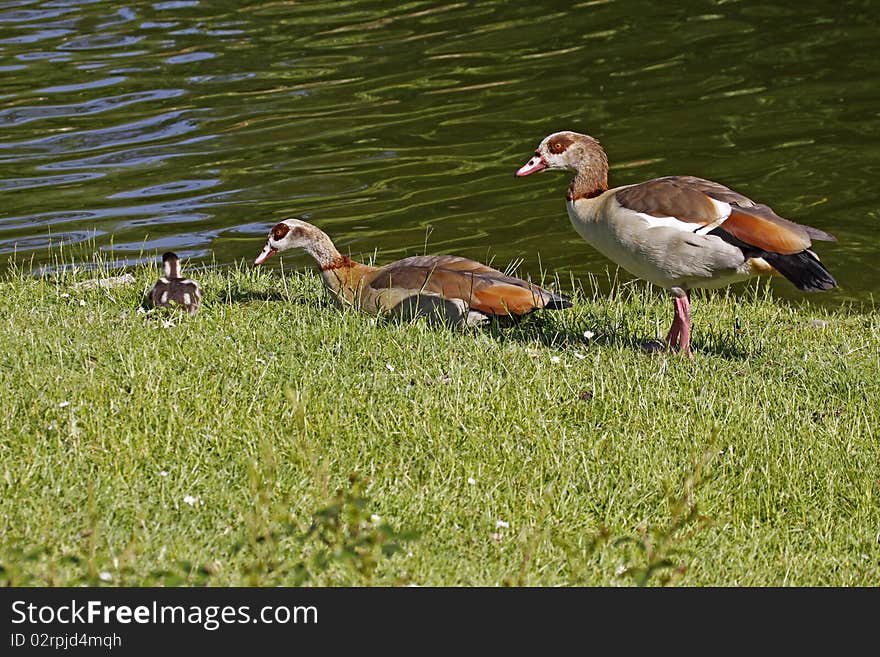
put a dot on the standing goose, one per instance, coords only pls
(678, 232)
(463, 292)
(171, 290)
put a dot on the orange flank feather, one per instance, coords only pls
(766, 234)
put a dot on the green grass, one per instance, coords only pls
(255, 443)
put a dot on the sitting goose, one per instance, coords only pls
(678, 232)
(457, 290)
(172, 291)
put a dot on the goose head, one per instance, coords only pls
(297, 234)
(566, 150)
(289, 234)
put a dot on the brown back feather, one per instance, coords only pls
(672, 196)
(453, 277)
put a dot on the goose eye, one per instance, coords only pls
(279, 231)
(556, 147)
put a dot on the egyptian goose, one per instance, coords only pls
(173, 291)
(450, 288)
(678, 232)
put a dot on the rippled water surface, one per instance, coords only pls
(194, 126)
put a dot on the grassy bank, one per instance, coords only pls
(275, 439)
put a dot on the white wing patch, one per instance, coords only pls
(723, 212)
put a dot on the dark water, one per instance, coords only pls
(134, 128)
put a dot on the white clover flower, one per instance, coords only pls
(555, 359)
(589, 335)
(390, 367)
(471, 481)
(189, 499)
(63, 404)
(104, 576)
(163, 473)
(376, 518)
(501, 524)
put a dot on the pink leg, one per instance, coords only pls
(674, 331)
(679, 336)
(683, 310)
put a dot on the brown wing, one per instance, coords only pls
(689, 199)
(672, 196)
(481, 287)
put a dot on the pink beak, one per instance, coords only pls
(265, 254)
(534, 165)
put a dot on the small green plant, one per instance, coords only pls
(346, 533)
(657, 552)
(343, 535)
